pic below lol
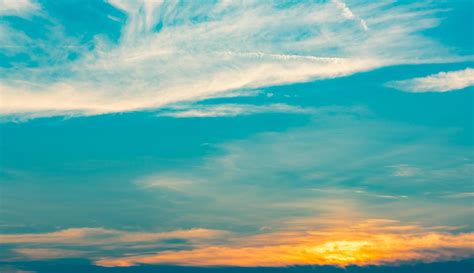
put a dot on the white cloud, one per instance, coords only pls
(18, 7)
(347, 12)
(440, 82)
(204, 50)
(232, 110)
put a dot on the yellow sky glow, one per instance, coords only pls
(364, 244)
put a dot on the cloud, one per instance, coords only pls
(18, 7)
(231, 110)
(341, 157)
(184, 51)
(440, 82)
(48, 253)
(100, 236)
(366, 243)
(316, 194)
(349, 14)
(92, 243)
(404, 170)
(301, 241)
(176, 184)
(460, 195)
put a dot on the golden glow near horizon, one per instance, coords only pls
(334, 242)
(349, 246)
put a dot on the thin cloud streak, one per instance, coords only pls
(440, 82)
(232, 110)
(100, 236)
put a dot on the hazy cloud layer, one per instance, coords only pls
(342, 159)
(317, 194)
(335, 173)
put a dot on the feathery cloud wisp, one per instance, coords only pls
(172, 52)
(440, 82)
(232, 110)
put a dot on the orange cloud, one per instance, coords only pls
(371, 242)
(341, 243)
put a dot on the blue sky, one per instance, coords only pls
(236, 134)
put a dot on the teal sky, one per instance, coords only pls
(228, 133)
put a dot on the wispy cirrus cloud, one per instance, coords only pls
(347, 12)
(171, 52)
(440, 82)
(231, 110)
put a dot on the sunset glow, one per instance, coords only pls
(236, 136)
(341, 248)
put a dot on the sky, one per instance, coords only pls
(236, 136)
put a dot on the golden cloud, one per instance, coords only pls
(367, 243)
